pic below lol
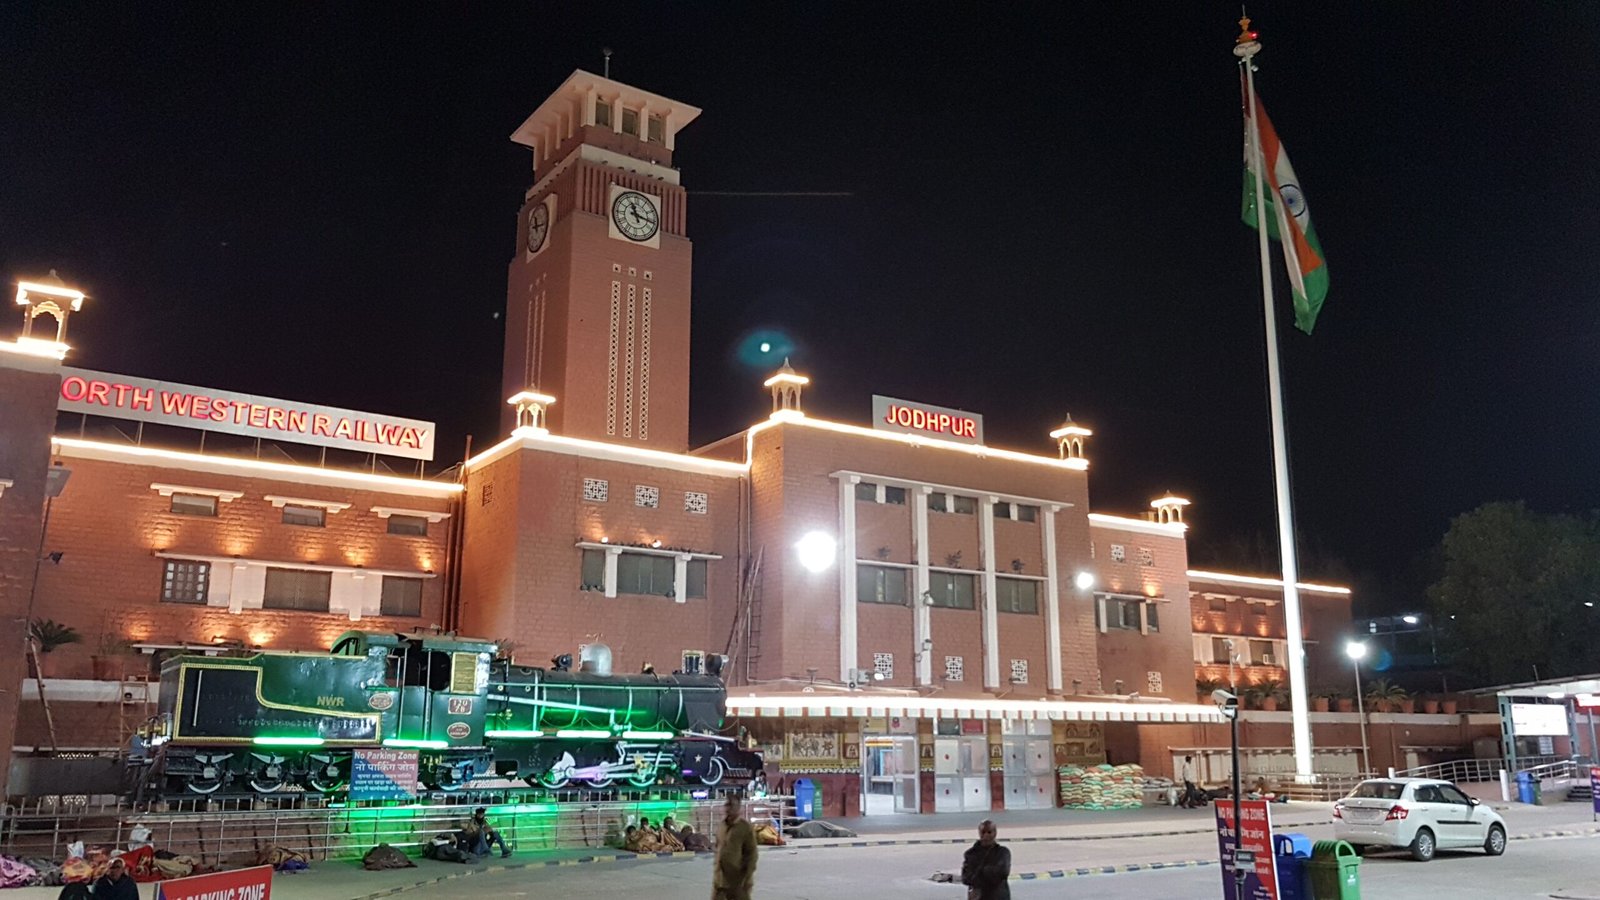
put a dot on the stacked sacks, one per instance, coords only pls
(1102, 787)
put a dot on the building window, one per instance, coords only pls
(401, 596)
(410, 526)
(300, 589)
(696, 502)
(486, 494)
(881, 584)
(1119, 553)
(939, 501)
(1261, 653)
(1016, 595)
(630, 121)
(867, 492)
(646, 496)
(185, 581)
(194, 504)
(644, 573)
(694, 662)
(602, 112)
(596, 490)
(954, 668)
(594, 571)
(953, 590)
(1124, 614)
(1019, 512)
(1152, 617)
(695, 579)
(1221, 652)
(657, 132)
(1218, 604)
(1147, 557)
(313, 516)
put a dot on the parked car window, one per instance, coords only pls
(1379, 790)
(1453, 794)
(1427, 793)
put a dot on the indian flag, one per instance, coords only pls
(1287, 214)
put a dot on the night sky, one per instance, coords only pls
(318, 201)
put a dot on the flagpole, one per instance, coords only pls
(1299, 703)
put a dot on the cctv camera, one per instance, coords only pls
(1228, 703)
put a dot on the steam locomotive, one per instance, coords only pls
(283, 720)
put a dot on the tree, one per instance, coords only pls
(1513, 592)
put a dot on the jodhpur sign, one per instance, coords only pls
(889, 414)
(186, 406)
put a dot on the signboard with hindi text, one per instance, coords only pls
(1255, 848)
(208, 409)
(383, 774)
(254, 883)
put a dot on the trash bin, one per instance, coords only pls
(805, 799)
(1335, 871)
(1528, 789)
(1292, 851)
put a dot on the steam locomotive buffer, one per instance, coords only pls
(273, 721)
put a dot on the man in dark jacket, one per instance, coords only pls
(116, 883)
(986, 866)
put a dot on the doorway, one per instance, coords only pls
(888, 774)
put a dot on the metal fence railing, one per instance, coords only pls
(223, 831)
(1321, 786)
(1457, 770)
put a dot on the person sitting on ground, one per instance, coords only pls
(116, 883)
(694, 841)
(641, 839)
(669, 835)
(481, 836)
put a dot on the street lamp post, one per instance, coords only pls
(1357, 651)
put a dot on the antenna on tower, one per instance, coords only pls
(606, 52)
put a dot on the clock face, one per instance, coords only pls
(538, 227)
(635, 216)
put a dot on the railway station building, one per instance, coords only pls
(912, 616)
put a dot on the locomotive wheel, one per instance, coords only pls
(267, 778)
(643, 777)
(326, 778)
(207, 782)
(548, 780)
(601, 782)
(715, 770)
(448, 778)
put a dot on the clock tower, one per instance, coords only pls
(597, 298)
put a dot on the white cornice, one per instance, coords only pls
(1145, 526)
(1229, 578)
(167, 490)
(528, 438)
(130, 454)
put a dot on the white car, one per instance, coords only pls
(1423, 815)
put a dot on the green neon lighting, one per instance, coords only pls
(416, 745)
(583, 733)
(287, 742)
(647, 735)
(512, 733)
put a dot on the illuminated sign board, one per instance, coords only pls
(1536, 719)
(889, 414)
(186, 406)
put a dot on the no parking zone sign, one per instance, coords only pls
(240, 884)
(383, 774)
(1594, 787)
(1255, 839)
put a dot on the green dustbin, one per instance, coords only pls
(1335, 870)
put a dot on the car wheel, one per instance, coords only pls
(1361, 849)
(1496, 842)
(1423, 845)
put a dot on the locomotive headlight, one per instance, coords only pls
(817, 550)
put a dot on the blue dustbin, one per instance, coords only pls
(805, 799)
(1525, 788)
(1292, 851)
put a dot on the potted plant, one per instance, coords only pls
(1430, 705)
(1205, 687)
(1449, 707)
(1342, 702)
(48, 635)
(1269, 694)
(1408, 705)
(1321, 699)
(1383, 696)
(107, 659)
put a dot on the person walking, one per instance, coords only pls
(734, 877)
(1191, 793)
(986, 866)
